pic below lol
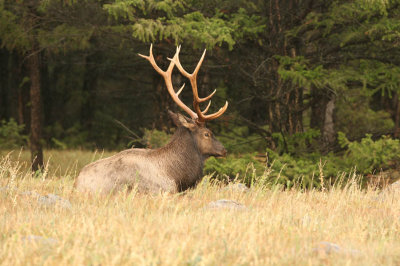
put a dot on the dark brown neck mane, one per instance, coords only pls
(183, 160)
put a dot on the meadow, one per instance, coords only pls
(337, 225)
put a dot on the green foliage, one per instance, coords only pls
(23, 24)
(76, 137)
(302, 73)
(124, 9)
(279, 169)
(71, 138)
(355, 118)
(155, 138)
(239, 140)
(242, 167)
(12, 34)
(205, 31)
(368, 155)
(11, 135)
(182, 21)
(379, 77)
(64, 38)
(351, 45)
(298, 143)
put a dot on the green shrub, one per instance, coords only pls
(308, 168)
(239, 140)
(368, 155)
(70, 138)
(234, 166)
(282, 169)
(155, 138)
(355, 118)
(298, 143)
(11, 136)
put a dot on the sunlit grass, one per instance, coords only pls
(58, 163)
(279, 227)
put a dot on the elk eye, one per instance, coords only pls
(206, 134)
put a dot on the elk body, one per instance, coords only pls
(172, 168)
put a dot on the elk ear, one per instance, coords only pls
(182, 121)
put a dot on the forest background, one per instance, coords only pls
(311, 84)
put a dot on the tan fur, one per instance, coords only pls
(172, 168)
(128, 169)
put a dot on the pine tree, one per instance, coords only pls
(32, 28)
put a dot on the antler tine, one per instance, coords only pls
(180, 90)
(168, 82)
(206, 110)
(150, 58)
(193, 81)
(196, 70)
(192, 77)
(204, 118)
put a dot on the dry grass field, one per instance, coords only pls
(346, 226)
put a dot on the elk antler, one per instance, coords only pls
(199, 116)
(168, 82)
(202, 117)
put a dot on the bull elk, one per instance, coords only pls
(173, 168)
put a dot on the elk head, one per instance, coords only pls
(204, 139)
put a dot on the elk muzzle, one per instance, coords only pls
(220, 150)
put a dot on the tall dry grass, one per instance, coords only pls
(278, 227)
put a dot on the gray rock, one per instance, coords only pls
(226, 204)
(39, 239)
(49, 200)
(394, 187)
(7, 189)
(52, 200)
(3, 190)
(388, 192)
(237, 187)
(306, 220)
(325, 248)
(30, 194)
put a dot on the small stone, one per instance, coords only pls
(306, 220)
(395, 186)
(40, 239)
(7, 189)
(226, 204)
(3, 190)
(48, 200)
(52, 199)
(325, 248)
(30, 193)
(237, 187)
(385, 194)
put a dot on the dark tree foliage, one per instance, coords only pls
(69, 70)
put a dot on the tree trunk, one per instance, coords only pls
(36, 110)
(396, 132)
(328, 132)
(318, 105)
(89, 93)
(23, 97)
(3, 83)
(322, 113)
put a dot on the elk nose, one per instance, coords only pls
(224, 152)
